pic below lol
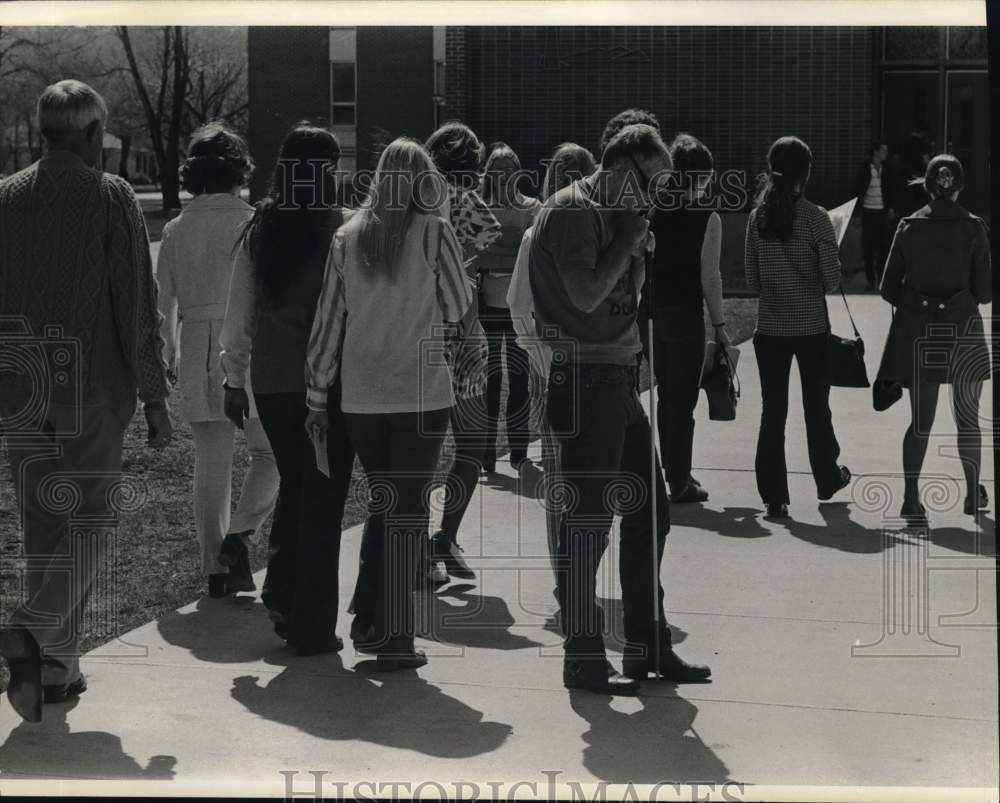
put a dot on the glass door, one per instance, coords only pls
(967, 134)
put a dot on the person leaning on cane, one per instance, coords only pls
(586, 268)
(73, 254)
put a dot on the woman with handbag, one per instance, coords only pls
(686, 278)
(937, 274)
(792, 261)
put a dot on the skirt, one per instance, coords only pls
(938, 341)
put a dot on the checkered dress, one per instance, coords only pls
(793, 276)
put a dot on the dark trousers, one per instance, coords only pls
(605, 465)
(500, 336)
(304, 543)
(774, 360)
(679, 339)
(70, 493)
(874, 242)
(469, 428)
(399, 453)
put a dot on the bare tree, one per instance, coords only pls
(218, 88)
(164, 105)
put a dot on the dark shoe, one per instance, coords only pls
(233, 548)
(597, 676)
(981, 503)
(690, 493)
(217, 585)
(280, 621)
(240, 577)
(390, 662)
(490, 463)
(24, 658)
(777, 511)
(673, 668)
(914, 513)
(336, 644)
(61, 692)
(845, 480)
(518, 461)
(449, 553)
(693, 481)
(367, 642)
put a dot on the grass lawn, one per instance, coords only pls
(156, 563)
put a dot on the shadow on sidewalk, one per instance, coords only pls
(655, 744)
(398, 709)
(840, 531)
(48, 750)
(222, 631)
(970, 541)
(732, 522)
(473, 620)
(614, 625)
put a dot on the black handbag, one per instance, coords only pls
(846, 357)
(722, 387)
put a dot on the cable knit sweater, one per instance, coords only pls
(74, 254)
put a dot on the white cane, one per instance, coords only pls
(650, 357)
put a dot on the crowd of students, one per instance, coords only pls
(373, 332)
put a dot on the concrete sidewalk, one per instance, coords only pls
(845, 653)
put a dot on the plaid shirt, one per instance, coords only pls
(793, 276)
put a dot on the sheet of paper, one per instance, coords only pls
(840, 217)
(322, 458)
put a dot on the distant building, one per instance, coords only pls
(737, 88)
(141, 161)
(17, 151)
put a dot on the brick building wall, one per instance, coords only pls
(454, 89)
(738, 89)
(288, 77)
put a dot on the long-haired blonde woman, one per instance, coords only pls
(394, 278)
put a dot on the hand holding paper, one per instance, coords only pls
(841, 217)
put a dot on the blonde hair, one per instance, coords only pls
(397, 194)
(67, 107)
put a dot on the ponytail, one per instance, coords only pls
(781, 187)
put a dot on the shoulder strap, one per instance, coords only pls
(857, 334)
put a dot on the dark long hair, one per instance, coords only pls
(788, 163)
(287, 225)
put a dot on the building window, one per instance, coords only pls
(343, 93)
(912, 44)
(967, 44)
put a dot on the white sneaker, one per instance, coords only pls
(437, 575)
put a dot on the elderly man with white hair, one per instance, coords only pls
(79, 338)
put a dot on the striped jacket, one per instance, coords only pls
(383, 330)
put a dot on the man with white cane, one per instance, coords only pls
(586, 267)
